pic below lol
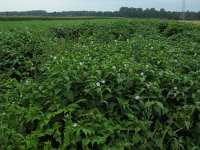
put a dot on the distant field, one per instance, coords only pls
(22, 18)
(194, 22)
(44, 24)
(19, 23)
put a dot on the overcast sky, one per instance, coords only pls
(97, 5)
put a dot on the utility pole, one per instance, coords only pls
(183, 10)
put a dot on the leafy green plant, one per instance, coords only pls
(121, 85)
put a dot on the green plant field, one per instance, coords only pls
(45, 24)
(100, 85)
(30, 18)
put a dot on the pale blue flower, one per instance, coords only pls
(27, 82)
(175, 94)
(74, 124)
(103, 81)
(137, 97)
(175, 88)
(114, 68)
(98, 84)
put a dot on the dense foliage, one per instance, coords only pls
(52, 18)
(123, 85)
(123, 12)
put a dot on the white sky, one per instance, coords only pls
(97, 5)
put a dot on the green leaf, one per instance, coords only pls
(70, 95)
(88, 131)
(152, 103)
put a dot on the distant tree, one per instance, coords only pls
(123, 12)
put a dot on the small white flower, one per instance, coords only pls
(103, 81)
(98, 84)
(137, 97)
(13, 68)
(75, 124)
(125, 65)
(81, 63)
(13, 102)
(114, 68)
(142, 73)
(175, 94)
(54, 57)
(27, 82)
(175, 88)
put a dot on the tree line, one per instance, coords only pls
(123, 12)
